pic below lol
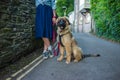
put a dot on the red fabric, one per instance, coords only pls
(56, 48)
(54, 34)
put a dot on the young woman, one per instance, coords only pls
(45, 17)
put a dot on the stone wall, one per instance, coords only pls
(16, 29)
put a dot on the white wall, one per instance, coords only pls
(71, 17)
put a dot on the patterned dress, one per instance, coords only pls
(43, 22)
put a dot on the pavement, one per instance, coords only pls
(105, 67)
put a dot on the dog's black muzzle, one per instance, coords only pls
(61, 24)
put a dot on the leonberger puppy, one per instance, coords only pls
(68, 43)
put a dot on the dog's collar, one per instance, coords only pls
(64, 33)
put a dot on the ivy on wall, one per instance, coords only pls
(106, 14)
(69, 4)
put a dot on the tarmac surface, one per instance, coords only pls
(105, 67)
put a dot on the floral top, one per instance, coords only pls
(46, 2)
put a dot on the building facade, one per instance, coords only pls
(82, 16)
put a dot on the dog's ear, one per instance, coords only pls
(57, 21)
(67, 20)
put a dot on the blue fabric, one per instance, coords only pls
(43, 21)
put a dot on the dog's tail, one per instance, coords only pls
(90, 55)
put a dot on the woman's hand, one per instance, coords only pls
(54, 20)
(54, 17)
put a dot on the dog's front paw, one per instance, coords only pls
(59, 59)
(75, 60)
(67, 62)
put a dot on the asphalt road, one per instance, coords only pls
(105, 67)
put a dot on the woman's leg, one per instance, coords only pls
(46, 43)
(47, 46)
(45, 51)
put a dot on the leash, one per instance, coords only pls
(60, 40)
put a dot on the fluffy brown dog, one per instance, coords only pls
(67, 42)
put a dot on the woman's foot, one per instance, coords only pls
(50, 51)
(50, 54)
(45, 54)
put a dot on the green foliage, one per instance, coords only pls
(106, 14)
(69, 4)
